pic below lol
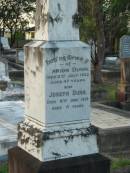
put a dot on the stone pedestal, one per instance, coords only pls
(57, 96)
(22, 162)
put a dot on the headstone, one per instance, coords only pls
(57, 87)
(4, 78)
(124, 87)
(57, 135)
(125, 46)
(5, 43)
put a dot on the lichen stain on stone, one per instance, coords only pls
(38, 57)
(57, 155)
(40, 14)
(33, 72)
(77, 20)
(54, 47)
(29, 134)
(58, 18)
(26, 51)
(19, 135)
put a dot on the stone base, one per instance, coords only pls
(22, 162)
(57, 144)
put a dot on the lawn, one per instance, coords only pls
(104, 92)
(3, 167)
(120, 163)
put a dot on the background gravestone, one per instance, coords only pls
(124, 87)
(125, 47)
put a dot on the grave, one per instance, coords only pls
(57, 134)
(11, 112)
(4, 77)
(124, 86)
(113, 128)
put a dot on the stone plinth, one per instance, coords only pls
(26, 163)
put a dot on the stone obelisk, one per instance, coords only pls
(57, 91)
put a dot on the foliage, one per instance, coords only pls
(12, 15)
(104, 22)
(114, 18)
(109, 89)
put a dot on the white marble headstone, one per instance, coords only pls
(60, 91)
(57, 87)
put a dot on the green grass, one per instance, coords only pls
(110, 90)
(4, 168)
(120, 163)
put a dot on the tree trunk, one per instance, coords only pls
(12, 39)
(99, 16)
(97, 74)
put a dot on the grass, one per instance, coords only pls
(120, 163)
(110, 89)
(111, 92)
(4, 168)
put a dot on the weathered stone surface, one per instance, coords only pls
(57, 86)
(55, 20)
(57, 101)
(113, 127)
(106, 117)
(60, 82)
(54, 145)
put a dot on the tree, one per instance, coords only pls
(12, 15)
(104, 21)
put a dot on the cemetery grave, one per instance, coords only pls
(58, 130)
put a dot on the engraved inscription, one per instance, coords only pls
(125, 47)
(69, 79)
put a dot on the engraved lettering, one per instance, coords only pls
(59, 94)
